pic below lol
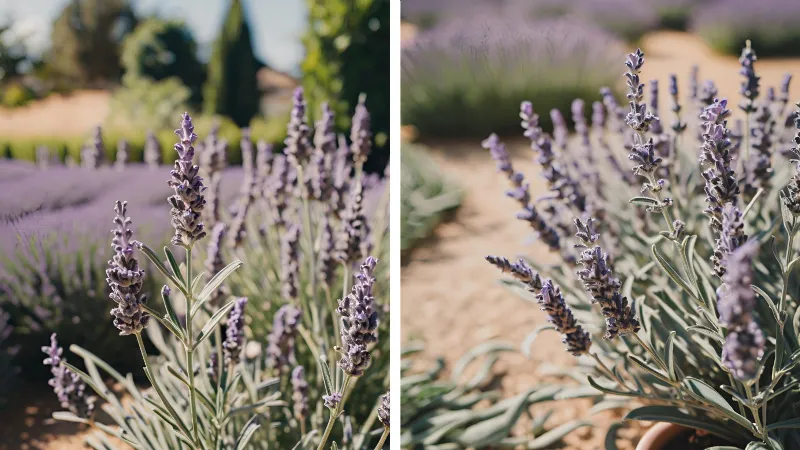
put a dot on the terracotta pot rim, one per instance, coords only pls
(659, 435)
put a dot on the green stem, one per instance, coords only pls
(761, 428)
(610, 373)
(779, 347)
(190, 346)
(383, 438)
(652, 352)
(334, 415)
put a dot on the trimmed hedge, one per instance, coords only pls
(24, 148)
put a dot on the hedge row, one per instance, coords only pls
(24, 148)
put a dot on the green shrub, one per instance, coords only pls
(347, 54)
(142, 103)
(426, 197)
(468, 78)
(17, 95)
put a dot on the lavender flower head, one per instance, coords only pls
(298, 144)
(730, 239)
(332, 401)
(67, 385)
(359, 321)
(234, 333)
(384, 409)
(750, 84)
(744, 343)
(328, 264)
(639, 118)
(519, 270)
(299, 393)
(152, 151)
(188, 201)
(352, 241)
(123, 150)
(125, 277)
(792, 197)
(360, 134)
(721, 185)
(598, 279)
(577, 340)
(281, 340)
(320, 177)
(290, 262)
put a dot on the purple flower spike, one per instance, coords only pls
(290, 263)
(299, 393)
(298, 144)
(577, 340)
(721, 185)
(125, 277)
(234, 333)
(359, 321)
(598, 279)
(68, 386)
(281, 340)
(188, 201)
(320, 176)
(360, 134)
(384, 409)
(792, 197)
(352, 241)
(744, 343)
(639, 118)
(750, 84)
(730, 239)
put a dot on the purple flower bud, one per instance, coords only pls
(384, 409)
(299, 393)
(327, 248)
(359, 321)
(297, 141)
(281, 340)
(68, 386)
(577, 340)
(519, 270)
(125, 277)
(319, 174)
(188, 201)
(332, 401)
(730, 239)
(598, 279)
(792, 197)
(560, 130)
(639, 118)
(234, 333)
(750, 84)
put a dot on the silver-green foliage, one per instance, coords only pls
(672, 370)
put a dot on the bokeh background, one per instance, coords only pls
(90, 94)
(466, 66)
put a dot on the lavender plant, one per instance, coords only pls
(223, 362)
(696, 320)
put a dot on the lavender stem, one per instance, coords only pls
(190, 345)
(383, 439)
(334, 414)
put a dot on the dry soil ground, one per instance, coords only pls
(450, 296)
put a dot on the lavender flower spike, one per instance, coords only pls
(360, 134)
(577, 340)
(384, 409)
(639, 118)
(792, 197)
(298, 144)
(290, 263)
(731, 238)
(750, 84)
(280, 342)
(299, 393)
(68, 386)
(359, 321)
(744, 343)
(721, 185)
(599, 281)
(188, 201)
(519, 270)
(352, 240)
(234, 333)
(125, 277)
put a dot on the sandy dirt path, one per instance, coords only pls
(450, 296)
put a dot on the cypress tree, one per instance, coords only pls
(232, 88)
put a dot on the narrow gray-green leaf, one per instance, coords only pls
(151, 255)
(213, 322)
(214, 284)
(669, 356)
(643, 201)
(326, 375)
(707, 332)
(547, 440)
(531, 338)
(247, 433)
(176, 269)
(673, 274)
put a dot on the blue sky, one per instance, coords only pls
(277, 25)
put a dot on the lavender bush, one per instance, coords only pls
(679, 304)
(466, 76)
(227, 358)
(725, 25)
(426, 197)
